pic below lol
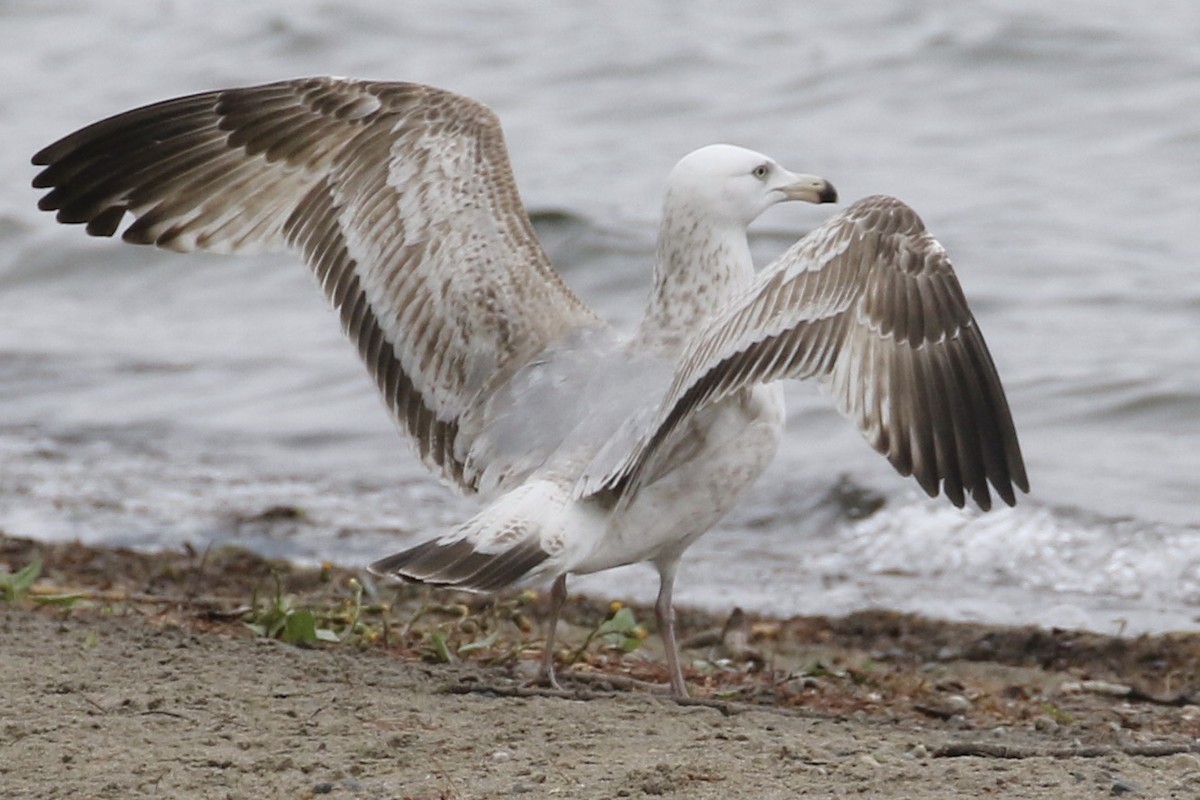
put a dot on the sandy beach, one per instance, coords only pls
(136, 675)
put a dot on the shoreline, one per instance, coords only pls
(140, 674)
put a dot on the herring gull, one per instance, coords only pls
(589, 449)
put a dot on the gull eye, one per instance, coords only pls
(761, 172)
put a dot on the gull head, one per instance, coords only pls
(732, 183)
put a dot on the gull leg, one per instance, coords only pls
(665, 614)
(558, 595)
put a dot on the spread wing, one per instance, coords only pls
(400, 197)
(869, 305)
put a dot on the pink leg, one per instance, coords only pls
(558, 595)
(666, 627)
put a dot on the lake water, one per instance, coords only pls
(148, 398)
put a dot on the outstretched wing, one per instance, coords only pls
(400, 197)
(869, 305)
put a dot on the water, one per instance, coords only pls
(148, 398)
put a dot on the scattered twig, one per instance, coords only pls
(118, 596)
(1126, 692)
(983, 750)
(197, 575)
(524, 691)
(726, 707)
(616, 681)
(165, 713)
(93, 703)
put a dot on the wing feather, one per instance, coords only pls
(400, 198)
(869, 305)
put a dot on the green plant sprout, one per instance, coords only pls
(279, 620)
(620, 631)
(16, 586)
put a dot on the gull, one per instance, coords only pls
(588, 448)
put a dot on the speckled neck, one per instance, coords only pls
(701, 262)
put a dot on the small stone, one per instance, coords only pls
(1121, 786)
(501, 756)
(1045, 724)
(526, 670)
(1095, 687)
(958, 704)
(323, 788)
(949, 653)
(1186, 761)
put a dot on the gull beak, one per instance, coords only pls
(810, 189)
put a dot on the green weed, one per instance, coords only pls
(278, 619)
(15, 585)
(620, 631)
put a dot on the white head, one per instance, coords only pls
(733, 183)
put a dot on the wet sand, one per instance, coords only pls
(145, 681)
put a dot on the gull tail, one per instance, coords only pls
(500, 546)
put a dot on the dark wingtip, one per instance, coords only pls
(386, 567)
(1020, 482)
(458, 565)
(982, 498)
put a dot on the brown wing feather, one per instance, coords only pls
(869, 305)
(400, 197)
